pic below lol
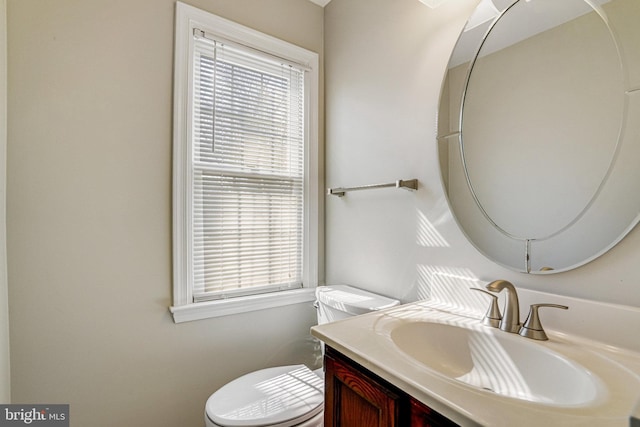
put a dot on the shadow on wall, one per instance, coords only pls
(428, 236)
(305, 351)
(449, 288)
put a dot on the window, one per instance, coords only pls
(245, 169)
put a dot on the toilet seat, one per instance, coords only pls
(283, 396)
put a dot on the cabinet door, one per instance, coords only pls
(355, 399)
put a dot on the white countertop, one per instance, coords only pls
(366, 339)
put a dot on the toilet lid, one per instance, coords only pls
(285, 395)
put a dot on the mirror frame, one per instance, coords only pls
(626, 146)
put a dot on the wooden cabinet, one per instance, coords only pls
(423, 416)
(356, 397)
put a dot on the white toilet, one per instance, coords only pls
(287, 396)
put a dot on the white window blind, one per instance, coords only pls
(248, 171)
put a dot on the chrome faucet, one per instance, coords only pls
(511, 318)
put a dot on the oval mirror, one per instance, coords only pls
(539, 130)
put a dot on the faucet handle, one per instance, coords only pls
(532, 327)
(492, 317)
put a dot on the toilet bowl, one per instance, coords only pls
(280, 396)
(288, 396)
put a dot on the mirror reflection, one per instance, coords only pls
(536, 129)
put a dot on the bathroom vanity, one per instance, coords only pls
(420, 365)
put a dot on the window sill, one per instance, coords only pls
(227, 307)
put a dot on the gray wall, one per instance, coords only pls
(89, 205)
(385, 61)
(89, 216)
(5, 374)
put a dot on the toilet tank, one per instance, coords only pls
(342, 301)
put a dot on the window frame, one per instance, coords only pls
(184, 308)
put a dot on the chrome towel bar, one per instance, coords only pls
(410, 184)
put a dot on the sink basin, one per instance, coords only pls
(496, 361)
